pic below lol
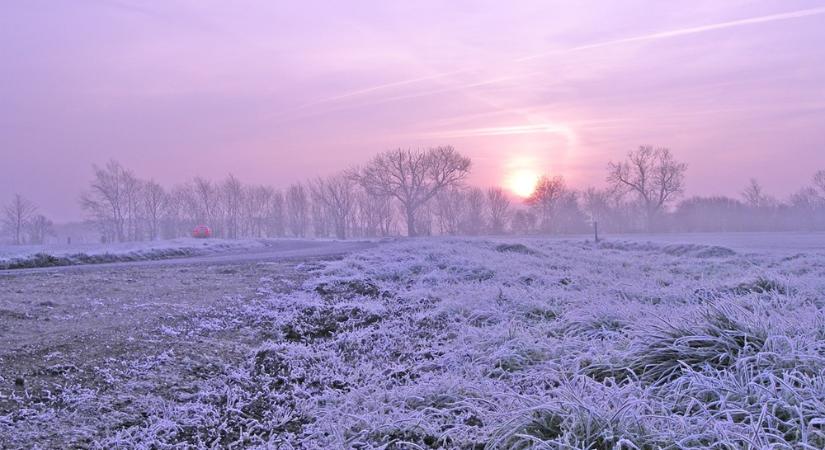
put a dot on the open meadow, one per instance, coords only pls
(431, 343)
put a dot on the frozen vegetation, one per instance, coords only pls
(472, 344)
(31, 256)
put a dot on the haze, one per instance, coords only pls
(275, 92)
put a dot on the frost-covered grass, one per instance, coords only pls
(31, 256)
(510, 344)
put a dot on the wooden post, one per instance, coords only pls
(596, 230)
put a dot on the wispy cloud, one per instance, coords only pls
(446, 76)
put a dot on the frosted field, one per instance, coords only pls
(779, 242)
(427, 344)
(24, 256)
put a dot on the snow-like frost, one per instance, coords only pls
(517, 344)
(29, 256)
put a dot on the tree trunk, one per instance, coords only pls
(410, 222)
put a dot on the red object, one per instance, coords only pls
(201, 232)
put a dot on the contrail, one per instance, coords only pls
(386, 86)
(504, 131)
(686, 31)
(645, 37)
(413, 95)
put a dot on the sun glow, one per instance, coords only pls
(522, 182)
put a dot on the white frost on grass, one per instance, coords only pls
(45, 255)
(516, 344)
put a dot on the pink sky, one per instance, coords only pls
(276, 91)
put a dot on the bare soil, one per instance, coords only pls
(74, 329)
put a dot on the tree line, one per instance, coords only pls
(420, 192)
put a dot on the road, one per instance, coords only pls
(273, 251)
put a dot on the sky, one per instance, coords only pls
(275, 92)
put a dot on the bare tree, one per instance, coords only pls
(257, 205)
(276, 218)
(653, 175)
(206, 199)
(17, 215)
(448, 210)
(803, 207)
(106, 200)
(39, 227)
(132, 196)
(595, 203)
(524, 222)
(717, 213)
(297, 210)
(184, 211)
(819, 182)
(498, 209)
(472, 221)
(155, 203)
(754, 195)
(231, 199)
(374, 214)
(336, 195)
(413, 177)
(545, 200)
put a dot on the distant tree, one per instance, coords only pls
(375, 214)
(336, 197)
(111, 199)
(819, 183)
(472, 220)
(297, 210)
(448, 209)
(155, 204)
(546, 199)
(276, 214)
(231, 197)
(183, 211)
(524, 222)
(424, 219)
(134, 213)
(596, 204)
(653, 175)
(17, 216)
(803, 209)
(205, 195)
(319, 215)
(413, 177)
(710, 214)
(498, 209)
(38, 228)
(569, 217)
(262, 213)
(754, 195)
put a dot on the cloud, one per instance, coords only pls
(485, 82)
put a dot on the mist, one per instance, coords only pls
(175, 90)
(423, 225)
(645, 193)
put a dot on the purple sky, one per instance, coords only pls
(276, 91)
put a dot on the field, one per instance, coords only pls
(425, 344)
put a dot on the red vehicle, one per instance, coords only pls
(202, 232)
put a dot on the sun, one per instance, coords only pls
(522, 182)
